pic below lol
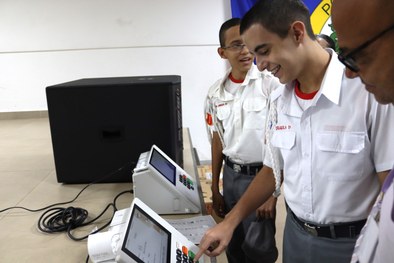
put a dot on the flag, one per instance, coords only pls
(240, 7)
(320, 11)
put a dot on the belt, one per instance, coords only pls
(346, 230)
(248, 169)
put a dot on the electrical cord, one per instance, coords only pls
(58, 219)
(75, 198)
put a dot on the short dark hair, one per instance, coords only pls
(329, 40)
(225, 26)
(277, 15)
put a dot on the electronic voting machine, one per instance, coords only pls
(138, 234)
(163, 185)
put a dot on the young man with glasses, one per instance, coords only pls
(331, 134)
(235, 110)
(366, 48)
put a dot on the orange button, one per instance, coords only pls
(185, 250)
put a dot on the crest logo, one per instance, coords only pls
(320, 11)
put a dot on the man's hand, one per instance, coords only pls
(268, 209)
(218, 204)
(215, 240)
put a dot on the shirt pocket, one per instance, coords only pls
(254, 112)
(341, 142)
(254, 104)
(343, 155)
(284, 139)
(223, 112)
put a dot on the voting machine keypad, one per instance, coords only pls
(184, 255)
(186, 181)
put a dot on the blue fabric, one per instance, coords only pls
(240, 7)
(312, 4)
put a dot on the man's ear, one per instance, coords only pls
(222, 53)
(298, 31)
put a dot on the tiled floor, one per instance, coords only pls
(27, 176)
(28, 179)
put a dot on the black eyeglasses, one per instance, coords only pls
(349, 60)
(235, 47)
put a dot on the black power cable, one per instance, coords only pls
(59, 219)
(68, 202)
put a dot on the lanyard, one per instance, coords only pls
(386, 185)
(388, 181)
(364, 250)
(375, 211)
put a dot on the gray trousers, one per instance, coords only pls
(234, 185)
(302, 247)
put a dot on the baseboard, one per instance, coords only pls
(23, 115)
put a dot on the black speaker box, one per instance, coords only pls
(99, 126)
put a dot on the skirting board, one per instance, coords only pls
(23, 115)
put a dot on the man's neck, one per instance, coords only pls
(316, 63)
(238, 75)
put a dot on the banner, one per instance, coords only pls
(320, 11)
(240, 7)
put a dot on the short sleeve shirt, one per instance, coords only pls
(332, 150)
(385, 248)
(242, 114)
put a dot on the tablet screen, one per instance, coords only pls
(146, 240)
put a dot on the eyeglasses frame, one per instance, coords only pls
(349, 61)
(235, 47)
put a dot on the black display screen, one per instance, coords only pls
(163, 166)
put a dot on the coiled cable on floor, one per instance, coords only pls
(59, 219)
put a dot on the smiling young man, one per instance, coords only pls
(235, 114)
(366, 48)
(331, 135)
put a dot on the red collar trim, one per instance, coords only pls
(235, 80)
(302, 95)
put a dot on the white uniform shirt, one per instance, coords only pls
(385, 249)
(376, 240)
(332, 150)
(242, 115)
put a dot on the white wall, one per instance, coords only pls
(45, 42)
